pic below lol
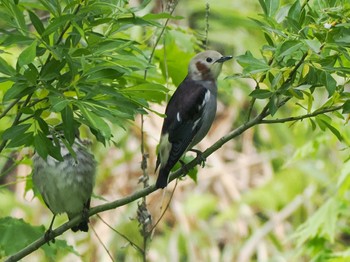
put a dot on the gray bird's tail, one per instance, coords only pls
(83, 226)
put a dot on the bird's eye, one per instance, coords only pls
(209, 60)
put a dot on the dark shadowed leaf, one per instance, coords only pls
(25, 139)
(68, 124)
(15, 131)
(6, 69)
(261, 93)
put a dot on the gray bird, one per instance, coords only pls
(190, 112)
(66, 186)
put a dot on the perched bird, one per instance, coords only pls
(190, 112)
(66, 186)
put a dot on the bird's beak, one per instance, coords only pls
(223, 59)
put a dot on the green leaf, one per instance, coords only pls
(95, 121)
(58, 103)
(38, 25)
(261, 94)
(18, 21)
(346, 107)
(57, 23)
(295, 11)
(31, 74)
(334, 131)
(100, 74)
(252, 65)
(150, 91)
(52, 69)
(329, 83)
(288, 48)
(322, 223)
(18, 90)
(151, 16)
(41, 143)
(264, 7)
(15, 131)
(272, 7)
(6, 69)
(25, 139)
(43, 125)
(16, 234)
(68, 124)
(314, 45)
(324, 122)
(273, 104)
(28, 55)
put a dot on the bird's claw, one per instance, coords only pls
(49, 237)
(199, 155)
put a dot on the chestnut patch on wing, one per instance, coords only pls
(204, 70)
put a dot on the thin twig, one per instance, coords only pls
(134, 245)
(166, 207)
(298, 118)
(101, 242)
(207, 13)
(12, 104)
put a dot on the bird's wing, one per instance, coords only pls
(183, 117)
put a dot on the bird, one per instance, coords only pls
(190, 112)
(66, 186)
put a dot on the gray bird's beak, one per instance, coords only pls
(223, 59)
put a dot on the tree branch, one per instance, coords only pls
(137, 195)
(297, 118)
(259, 119)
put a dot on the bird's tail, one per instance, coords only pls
(162, 180)
(83, 226)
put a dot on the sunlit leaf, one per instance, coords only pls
(251, 64)
(28, 55)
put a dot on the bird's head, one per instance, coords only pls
(206, 65)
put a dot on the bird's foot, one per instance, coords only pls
(49, 236)
(199, 155)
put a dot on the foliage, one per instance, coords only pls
(79, 65)
(78, 68)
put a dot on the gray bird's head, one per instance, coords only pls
(206, 65)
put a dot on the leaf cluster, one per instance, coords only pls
(77, 67)
(306, 53)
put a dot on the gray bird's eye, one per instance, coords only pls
(209, 60)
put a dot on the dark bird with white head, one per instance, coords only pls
(190, 112)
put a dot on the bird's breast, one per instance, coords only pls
(67, 185)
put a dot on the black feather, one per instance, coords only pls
(188, 102)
